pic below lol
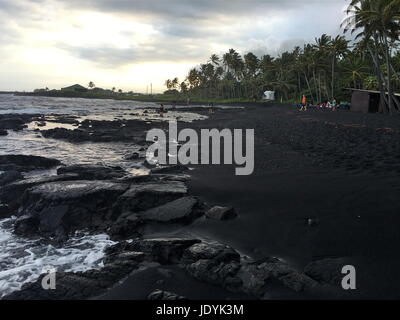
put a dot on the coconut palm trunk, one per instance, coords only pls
(379, 75)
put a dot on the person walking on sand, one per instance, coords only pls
(303, 103)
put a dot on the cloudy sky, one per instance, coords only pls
(132, 43)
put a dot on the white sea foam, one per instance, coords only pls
(22, 260)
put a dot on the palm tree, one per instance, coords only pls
(377, 23)
(319, 70)
(214, 59)
(251, 63)
(91, 85)
(183, 86)
(338, 48)
(354, 69)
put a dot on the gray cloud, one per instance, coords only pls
(160, 51)
(186, 30)
(198, 9)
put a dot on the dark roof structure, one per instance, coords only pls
(366, 100)
(75, 87)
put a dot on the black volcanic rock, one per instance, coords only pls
(118, 263)
(92, 172)
(147, 195)
(11, 192)
(221, 265)
(327, 271)
(24, 163)
(256, 277)
(163, 250)
(61, 207)
(221, 213)
(170, 169)
(9, 176)
(13, 123)
(76, 135)
(210, 251)
(164, 296)
(184, 209)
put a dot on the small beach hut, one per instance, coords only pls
(366, 100)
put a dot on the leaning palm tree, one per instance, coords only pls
(376, 22)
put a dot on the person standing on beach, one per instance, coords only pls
(334, 104)
(162, 110)
(211, 107)
(303, 103)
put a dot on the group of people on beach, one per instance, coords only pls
(331, 105)
(328, 105)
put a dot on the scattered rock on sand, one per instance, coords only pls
(164, 296)
(185, 209)
(221, 213)
(221, 265)
(257, 276)
(327, 271)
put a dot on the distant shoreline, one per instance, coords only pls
(153, 99)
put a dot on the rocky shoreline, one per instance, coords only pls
(104, 199)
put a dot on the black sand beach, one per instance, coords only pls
(324, 194)
(340, 169)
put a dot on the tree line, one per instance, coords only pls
(321, 70)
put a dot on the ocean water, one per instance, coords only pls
(23, 260)
(32, 143)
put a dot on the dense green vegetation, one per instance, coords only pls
(321, 70)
